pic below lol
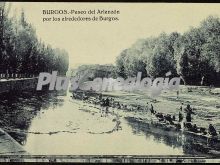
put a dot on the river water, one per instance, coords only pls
(54, 124)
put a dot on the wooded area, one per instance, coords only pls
(22, 52)
(194, 55)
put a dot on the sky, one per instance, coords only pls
(102, 42)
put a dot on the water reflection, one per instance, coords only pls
(18, 109)
(190, 144)
(65, 126)
(53, 123)
(160, 136)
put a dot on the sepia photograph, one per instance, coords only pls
(109, 82)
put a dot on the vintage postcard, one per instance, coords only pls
(109, 82)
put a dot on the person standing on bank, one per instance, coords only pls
(107, 104)
(189, 113)
(181, 113)
(212, 130)
(152, 109)
(147, 107)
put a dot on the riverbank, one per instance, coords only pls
(145, 122)
(8, 146)
(204, 101)
(50, 118)
(19, 84)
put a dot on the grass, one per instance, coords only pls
(204, 101)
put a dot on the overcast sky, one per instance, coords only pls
(101, 42)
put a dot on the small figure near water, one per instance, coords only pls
(181, 113)
(212, 130)
(147, 107)
(194, 128)
(189, 112)
(181, 107)
(107, 104)
(169, 119)
(151, 109)
(177, 94)
(180, 116)
(100, 97)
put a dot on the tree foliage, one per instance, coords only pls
(21, 52)
(193, 55)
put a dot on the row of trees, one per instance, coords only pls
(90, 72)
(21, 52)
(194, 55)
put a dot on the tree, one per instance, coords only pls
(162, 59)
(189, 58)
(22, 52)
(4, 37)
(120, 65)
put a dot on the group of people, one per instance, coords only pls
(186, 113)
(194, 128)
(188, 110)
(105, 103)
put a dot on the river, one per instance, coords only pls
(56, 124)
